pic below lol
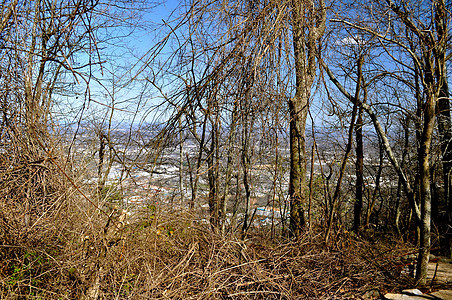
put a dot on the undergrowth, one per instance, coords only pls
(174, 257)
(57, 245)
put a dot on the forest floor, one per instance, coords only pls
(440, 271)
(60, 241)
(158, 254)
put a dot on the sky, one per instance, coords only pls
(122, 59)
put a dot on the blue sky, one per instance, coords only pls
(122, 59)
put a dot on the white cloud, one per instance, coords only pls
(350, 41)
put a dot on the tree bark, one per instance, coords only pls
(359, 167)
(444, 125)
(229, 163)
(406, 124)
(308, 26)
(426, 196)
(358, 207)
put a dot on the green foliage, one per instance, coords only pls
(151, 210)
(32, 264)
(18, 274)
(112, 193)
(128, 284)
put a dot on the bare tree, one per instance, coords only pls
(426, 62)
(308, 26)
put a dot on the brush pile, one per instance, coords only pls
(156, 255)
(54, 243)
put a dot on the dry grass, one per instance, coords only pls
(172, 257)
(56, 245)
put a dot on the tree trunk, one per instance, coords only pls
(444, 126)
(406, 124)
(385, 142)
(429, 111)
(358, 207)
(194, 188)
(426, 196)
(335, 203)
(100, 165)
(297, 184)
(308, 25)
(212, 174)
(229, 163)
(376, 191)
(181, 162)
